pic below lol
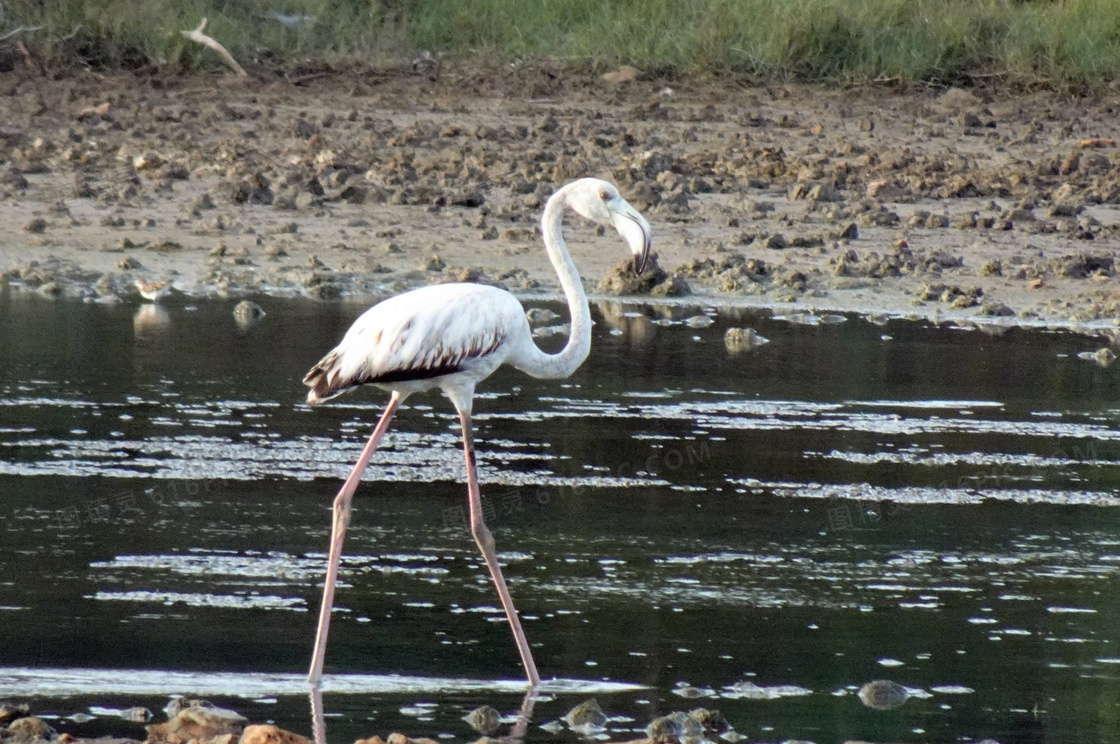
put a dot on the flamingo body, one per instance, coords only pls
(432, 337)
(451, 337)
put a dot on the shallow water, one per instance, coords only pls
(930, 505)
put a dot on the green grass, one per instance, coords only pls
(1058, 43)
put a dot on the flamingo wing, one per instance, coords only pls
(420, 335)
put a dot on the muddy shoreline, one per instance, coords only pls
(950, 204)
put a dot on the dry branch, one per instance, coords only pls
(201, 38)
(19, 30)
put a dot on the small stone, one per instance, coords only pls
(711, 721)
(698, 321)
(538, 315)
(883, 694)
(587, 716)
(969, 120)
(484, 719)
(246, 313)
(665, 730)
(743, 339)
(205, 722)
(36, 225)
(777, 241)
(30, 729)
(11, 711)
(147, 161)
(269, 734)
(432, 263)
(1103, 356)
(992, 268)
(136, 715)
(624, 74)
(996, 309)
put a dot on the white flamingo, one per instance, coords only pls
(452, 336)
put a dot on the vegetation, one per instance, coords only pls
(1052, 42)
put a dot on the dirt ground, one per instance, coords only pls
(997, 207)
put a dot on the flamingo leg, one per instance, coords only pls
(485, 542)
(341, 519)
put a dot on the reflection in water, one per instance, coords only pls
(516, 733)
(150, 321)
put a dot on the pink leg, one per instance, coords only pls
(338, 534)
(485, 542)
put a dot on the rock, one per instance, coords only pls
(996, 309)
(883, 694)
(233, 190)
(959, 99)
(674, 286)
(969, 120)
(1081, 265)
(992, 268)
(622, 280)
(484, 719)
(665, 730)
(777, 241)
(137, 714)
(147, 161)
(698, 321)
(30, 729)
(246, 313)
(586, 717)
(269, 734)
(14, 179)
(537, 315)
(624, 74)
(36, 225)
(1103, 356)
(711, 722)
(201, 722)
(431, 263)
(12, 711)
(743, 339)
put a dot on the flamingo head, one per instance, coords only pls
(599, 201)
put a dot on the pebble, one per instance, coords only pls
(484, 719)
(587, 717)
(540, 315)
(883, 694)
(247, 313)
(1103, 356)
(743, 339)
(699, 321)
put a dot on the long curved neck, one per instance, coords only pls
(565, 362)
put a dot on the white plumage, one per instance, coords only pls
(452, 336)
(413, 340)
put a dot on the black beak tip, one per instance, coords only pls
(640, 262)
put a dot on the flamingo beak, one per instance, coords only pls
(632, 226)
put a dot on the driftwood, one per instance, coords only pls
(19, 30)
(201, 38)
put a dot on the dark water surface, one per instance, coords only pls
(851, 502)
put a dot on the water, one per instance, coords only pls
(850, 502)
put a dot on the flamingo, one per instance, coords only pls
(451, 337)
